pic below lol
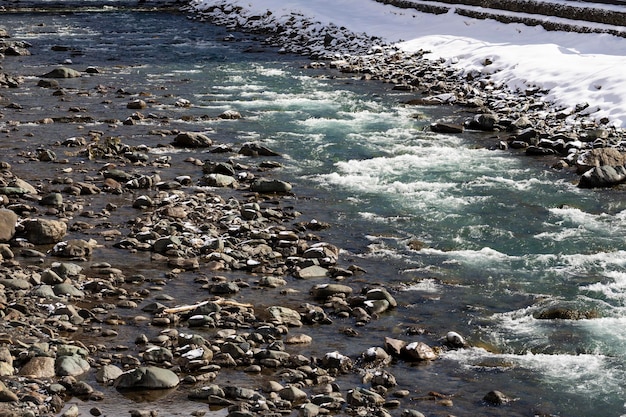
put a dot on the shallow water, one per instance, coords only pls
(504, 236)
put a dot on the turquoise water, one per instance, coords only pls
(503, 236)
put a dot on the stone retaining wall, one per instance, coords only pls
(532, 13)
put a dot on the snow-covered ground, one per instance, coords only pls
(576, 68)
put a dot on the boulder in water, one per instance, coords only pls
(147, 377)
(62, 72)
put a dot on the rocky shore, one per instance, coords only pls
(571, 137)
(70, 315)
(75, 322)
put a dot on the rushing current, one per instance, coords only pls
(475, 240)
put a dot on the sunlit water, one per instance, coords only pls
(503, 236)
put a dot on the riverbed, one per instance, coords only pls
(470, 238)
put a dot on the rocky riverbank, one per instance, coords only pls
(75, 322)
(522, 120)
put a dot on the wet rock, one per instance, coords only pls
(309, 410)
(71, 365)
(485, 122)
(230, 115)
(444, 127)
(381, 294)
(254, 149)
(68, 289)
(566, 313)
(284, 315)
(158, 354)
(454, 340)
(147, 377)
(108, 374)
(313, 271)
(44, 231)
(361, 397)
(192, 140)
(411, 413)
(137, 105)
(270, 186)
(323, 291)
(603, 176)
(220, 180)
(48, 84)
(10, 81)
(208, 393)
(8, 220)
(293, 394)
(75, 248)
(142, 202)
(375, 355)
(336, 363)
(95, 411)
(62, 72)
(496, 398)
(298, 339)
(418, 351)
(72, 411)
(52, 199)
(381, 378)
(600, 157)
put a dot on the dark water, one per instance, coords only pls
(504, 237)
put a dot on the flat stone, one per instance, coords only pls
(147, 377)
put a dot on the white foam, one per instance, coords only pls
(613, 287)
(428, 285)
(587, 375)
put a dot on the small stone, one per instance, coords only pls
(137, 105)
(73, 411)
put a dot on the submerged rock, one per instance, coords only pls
(62, 72)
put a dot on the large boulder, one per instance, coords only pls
(39, 367)
(268, 186)
(603, 176)
(192, 140)
(147, 377)
(44, 231)
(485, 121)
(71, 365)
(600, 157)
(254, 149)
(8, 220)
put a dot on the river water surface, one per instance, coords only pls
(504, 237)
